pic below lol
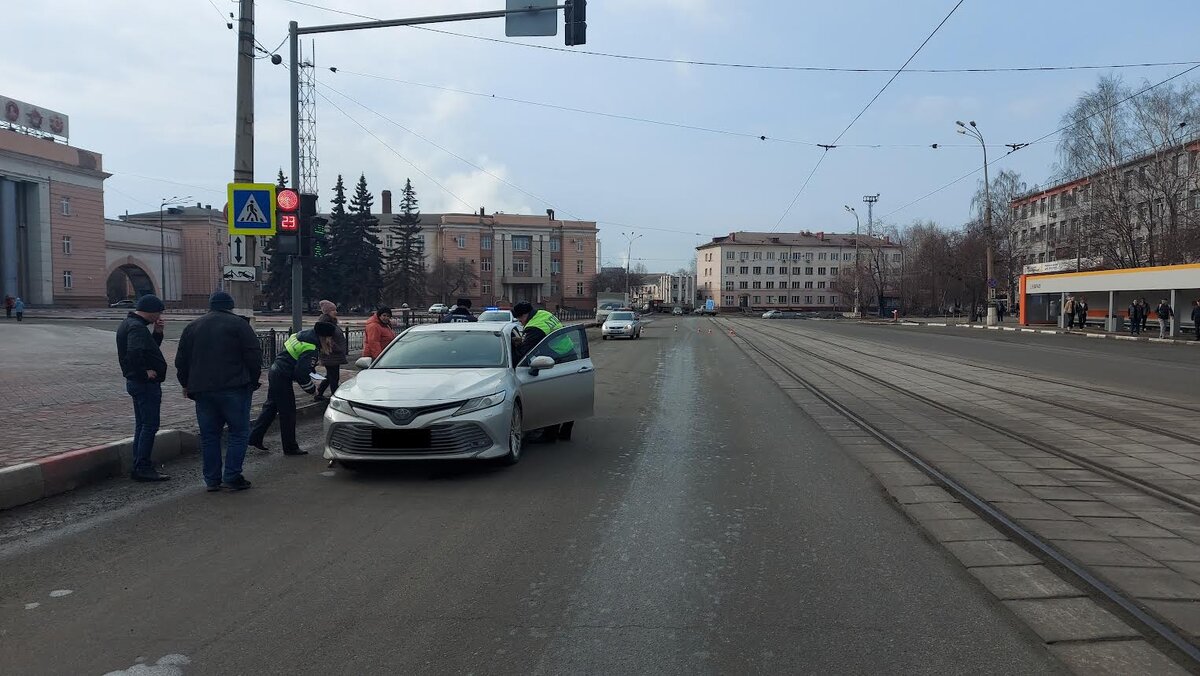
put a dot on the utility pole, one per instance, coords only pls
(857, 266)
(973, 132)
(294, 77)
(243, 147)
(871, 200)
(628, 258)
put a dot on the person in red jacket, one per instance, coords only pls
(379, 333)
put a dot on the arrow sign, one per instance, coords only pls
(237, 246)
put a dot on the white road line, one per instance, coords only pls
(934, 324)
(1048, 331)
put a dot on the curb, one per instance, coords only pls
(44, 477)
(1058, 332)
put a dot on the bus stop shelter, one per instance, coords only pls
(1110, 292)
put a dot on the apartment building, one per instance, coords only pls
(777, 271)
(666, 289)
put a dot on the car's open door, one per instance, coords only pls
(564, 391)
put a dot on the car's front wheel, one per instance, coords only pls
(516, 437)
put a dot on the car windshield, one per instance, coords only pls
(444, 349)
(621, 316)
(496, 316)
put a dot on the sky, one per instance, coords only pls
(151, 85)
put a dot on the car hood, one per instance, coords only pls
(397, 387)
(618, 324)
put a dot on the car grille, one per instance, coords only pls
(442, 438)
(404, 415)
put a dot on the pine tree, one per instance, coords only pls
(279, 268)
(360, 263)
(340, 255)
(405, 275)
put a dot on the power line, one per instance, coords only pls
(759, 66)
(879, 93)
(395, 152)
(224, 19)
(193, 186)
(1019, 146)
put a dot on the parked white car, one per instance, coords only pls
(454, 391)
(438, 309)
(621, 324)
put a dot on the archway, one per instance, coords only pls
(128, 281)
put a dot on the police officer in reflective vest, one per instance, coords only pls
(538, 324)
(461, 312)
(294, 364)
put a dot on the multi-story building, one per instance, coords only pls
(795, 271)
(666, 289)
(203, 236)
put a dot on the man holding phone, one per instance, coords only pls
(145, 369)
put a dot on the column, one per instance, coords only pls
(1062, 312)
(1173, 332)
(8, 238)
(1110, 324)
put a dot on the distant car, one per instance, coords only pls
(677, 311)
(603, 311)
(772, 314)
(621, 324)
(496, 316)
(438, 309)
(128, 302)
(455, 391)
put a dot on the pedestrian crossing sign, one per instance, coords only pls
(251, 209)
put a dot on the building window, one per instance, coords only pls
(743, 285)
(895, 258)
(68, 279)
(485, 288)
(820, 300)
(743, 255)
(579, 246)
(758, 285)
(579, 267)
(770, 300)
(808, 300)
(522, 243)
(808, 285)
(66, 241)
(770, 285)
(485, 242)
(745, 270)
(796, 271)
(758, 255)
(461, 241)
(808, 271)
(820, 271)
(729, 255)
(796, 285)
(758, 269)
(485, 264)
(821, 256)
(770, 255)
(833, 300)
(795, 300)
(847, 257)
(65, 206)
(520, 266)
(578, 288)
(820, 285)
(729, 286)
(770, 270)
(555, 245)
(833, 271)
(554, 288)
(729, 300)
(729, 269)
(783, 270)
(758, 300)
(555, 266)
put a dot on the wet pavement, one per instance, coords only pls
(698, 524)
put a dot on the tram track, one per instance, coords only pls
(1149, 624)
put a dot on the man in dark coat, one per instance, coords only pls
(145, 369)
(461, 312)
(218, 364)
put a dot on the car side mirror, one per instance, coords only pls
(363, 363)
(540, 364)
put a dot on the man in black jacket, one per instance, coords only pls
(145, 369)
(218, 364)
(294, 364)
(1196, 318)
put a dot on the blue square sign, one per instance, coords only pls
(251, 209)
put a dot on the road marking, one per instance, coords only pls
(1096, 335)
(1028, 331)
(994, 328)
(59, 593)
(1048, 331)
(31, 606)
(935, 324)
(1008, 328)
(329, 473)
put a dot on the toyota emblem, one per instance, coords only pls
(402, 415)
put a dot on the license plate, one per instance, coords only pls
(385, 438)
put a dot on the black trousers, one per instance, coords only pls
(281, 401)
(333, 377)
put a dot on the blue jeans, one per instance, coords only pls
(214, 411)
(147, 400)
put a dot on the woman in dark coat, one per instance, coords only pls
(333, 360)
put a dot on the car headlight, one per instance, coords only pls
(479, 403)
(341, 405)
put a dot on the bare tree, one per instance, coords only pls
(448, 279)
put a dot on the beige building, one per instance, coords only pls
(203, 243)
(666, 289)
(777, 271)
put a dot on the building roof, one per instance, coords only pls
(814, 239)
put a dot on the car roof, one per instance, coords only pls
(485, 327)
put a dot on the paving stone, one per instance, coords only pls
(1052, 463)
(1165, 549)
(1059, 493)
(1065, 529)
(1120, 527)
(1183, 614)
(958, 530)
(1189, 569)
(1115, 658)
(1023, 582)
(990, 553)
(914, 494)
(1073, 476)
(1031, 510)
(901, 479)
(1089, 508)
(1031, 479)
(1151, 583)
(1073, 619)
(1140, 503)
(924, 511)
(1103, 553)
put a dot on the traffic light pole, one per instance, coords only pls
(575, 35)
(243, 146)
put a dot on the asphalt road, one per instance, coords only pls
(699, 523)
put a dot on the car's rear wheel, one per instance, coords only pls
(516, 438)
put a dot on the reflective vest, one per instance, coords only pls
(296, 347)
(548, 323)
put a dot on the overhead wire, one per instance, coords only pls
(760, 66)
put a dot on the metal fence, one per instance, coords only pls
(271, 341)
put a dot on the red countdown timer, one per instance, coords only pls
(287, 199)
(289, 223)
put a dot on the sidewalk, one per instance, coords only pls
(1149, 337)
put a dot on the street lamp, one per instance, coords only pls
(973, 132)
(629, 257)
(857, 268)
(162, 241)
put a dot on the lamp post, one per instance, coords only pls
(162, 242)
(973, 132)
(857, 268)
(629, 257)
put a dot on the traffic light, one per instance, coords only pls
(287, 201)
(312, 228)
(575, 22)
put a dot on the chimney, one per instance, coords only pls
(821, 236)
(733, 237)
(385, 199)
(483, 211)
(199, 206)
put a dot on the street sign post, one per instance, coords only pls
(251, 209)
(239, 273)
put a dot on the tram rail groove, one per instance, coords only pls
(1166, 494)
(1148, 622)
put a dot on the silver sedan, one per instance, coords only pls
(454, 391)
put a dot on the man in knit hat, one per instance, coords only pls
(145, 369)
(218, 364)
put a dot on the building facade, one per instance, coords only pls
(790, 271)
(666, 289)
(52, 249)
(203, 237)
